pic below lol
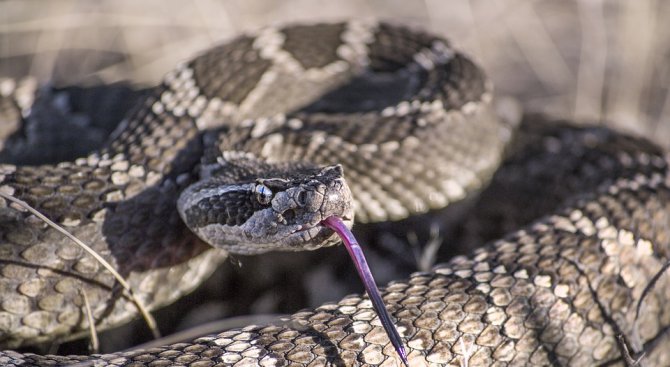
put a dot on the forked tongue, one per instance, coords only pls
(356, 253)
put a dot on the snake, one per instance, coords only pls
(248, 147)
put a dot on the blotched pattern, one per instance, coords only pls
(121, 200)
(559, 291)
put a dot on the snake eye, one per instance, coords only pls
(263, 194)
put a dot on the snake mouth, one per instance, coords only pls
(347, 219)
(313, 236)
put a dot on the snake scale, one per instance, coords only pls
(275, 122)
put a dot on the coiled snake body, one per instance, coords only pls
(246, 143)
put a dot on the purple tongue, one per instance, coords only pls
(357, 256)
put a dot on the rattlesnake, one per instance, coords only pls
(412, 123)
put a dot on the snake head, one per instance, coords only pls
(282, 212)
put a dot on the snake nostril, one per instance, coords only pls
(301, 200)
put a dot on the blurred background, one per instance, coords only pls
(599, 61)
(590, 59)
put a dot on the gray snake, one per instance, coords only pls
(243, 116)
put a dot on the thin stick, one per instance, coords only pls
(151, 322)
(95, 344)
(649, 287)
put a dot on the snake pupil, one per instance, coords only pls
(263, 194)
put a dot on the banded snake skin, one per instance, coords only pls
(560, 291)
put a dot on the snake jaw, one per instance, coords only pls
(309, 233)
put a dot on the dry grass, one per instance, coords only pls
(590, 59)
